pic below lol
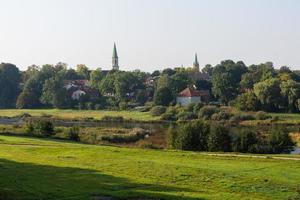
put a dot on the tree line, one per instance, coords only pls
(215, 137)
(249, 88)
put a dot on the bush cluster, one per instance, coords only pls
(112, 118)
(158, 110)
(73, 133)
(208, 112)
(40, 127)
(204, 136)
(133, 136)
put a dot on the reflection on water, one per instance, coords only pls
(126, 124)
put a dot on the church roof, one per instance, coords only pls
(196, 60)
(190, 92)
(115, 54)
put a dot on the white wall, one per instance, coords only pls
(184, 101)
(76, 95)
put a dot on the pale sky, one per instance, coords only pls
(150, 34)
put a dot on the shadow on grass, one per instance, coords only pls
(31, 181)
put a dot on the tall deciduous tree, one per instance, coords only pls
(54, 92)
(83, 71)
(269, 94)
(95, 78)
(290, 91)
(226, 78)
(163, 96)
(33, 88)
(9, 85)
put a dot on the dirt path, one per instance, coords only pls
(251, 156)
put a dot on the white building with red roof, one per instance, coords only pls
(190, 95)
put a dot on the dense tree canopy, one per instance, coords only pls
(268, 93)
(226, 78)
(257, 87)
(54, 92)
(9, 85)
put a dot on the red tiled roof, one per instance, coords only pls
(190, 92)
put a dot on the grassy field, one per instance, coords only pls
(283, 118)
(79, 114)
(49, 169)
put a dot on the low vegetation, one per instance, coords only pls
(78, 114)
(91, 135)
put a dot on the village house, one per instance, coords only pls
(77, 88)
(191, 95)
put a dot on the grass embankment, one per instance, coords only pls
(275, 118)
(48, 169)
(79, 114)
(129, 137)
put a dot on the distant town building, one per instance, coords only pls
(191, 95)
(196, 64)
(77, 88)
(195, 74)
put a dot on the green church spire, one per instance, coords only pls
(115, 54)
(196, 63)
(115, 59)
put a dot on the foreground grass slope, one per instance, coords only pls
(79, 114)
(48, 169)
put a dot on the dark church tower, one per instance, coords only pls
(115, 59)
(196, 64)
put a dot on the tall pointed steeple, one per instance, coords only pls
(115, 59)
(196, 63)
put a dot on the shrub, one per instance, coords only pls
(143, 108)
(112, 118)
(219, 138)
(73, 133)
(169, 116)
(151, 146)
(29, 128)
(23, 115)
(245, 141)
(186, 116)
(190, 107)
(46, 115)
(172, 136)
(98, 106)
(221, 116)
(135, 135)
(280, 140)
(40, 127)
(150, 104)
(158, 110)
(190, 136)
(261, 115)
(207, 111)
(123, 105)
(90, 105)
(274, 118)
(197, 107)
(247, 102)
(163, 96)
(241, 117)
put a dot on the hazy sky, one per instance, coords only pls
(150, 34)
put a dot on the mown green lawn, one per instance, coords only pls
(79, 114)
(49, 169)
